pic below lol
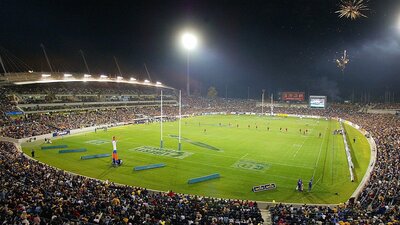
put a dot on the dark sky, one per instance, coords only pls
(277, 45)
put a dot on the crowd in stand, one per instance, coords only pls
(83, 92)
(386, 106)
(82, 88)
(34, 193)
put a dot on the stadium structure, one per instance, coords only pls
(190, 159)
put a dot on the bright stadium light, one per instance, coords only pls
(67, 75)
(132, 79)
(189, 41)
(158, 83)
(120, 78)
(30, 71)
(46, 75)
(103, 77)
(87, 75)
(146, 81)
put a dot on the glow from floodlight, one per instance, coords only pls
(132, 79)
(86, 75)
(67, 75)
(30, 71)
(120, 78)
(398, 23)
(158, 83)
(146, 81)
(46, 75)
(103, 77)
(189, 41)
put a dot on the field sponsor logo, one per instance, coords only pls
(250, 165)
(264, 187)
(282, 115)
(61, 133)
(200, 144)
(97, 142)
(162, 152)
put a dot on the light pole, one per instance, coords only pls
(161, 121)
(189, 42)
(180, 121)
(272, 104)
(262, 102)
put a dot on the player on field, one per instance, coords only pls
(299, 185)
(115, 160)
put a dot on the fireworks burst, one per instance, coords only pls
(342, 61)
(352, 9)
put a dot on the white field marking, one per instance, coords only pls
(301, 146)
(280, 164)
(232, 168)
(244, 156)
(319, 154)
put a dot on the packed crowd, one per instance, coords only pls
(83, 92)
(5, 106)
(385, 106)
(82, 88)
(34, 193)
(78, 106)
(37, 124)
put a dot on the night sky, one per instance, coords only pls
(281, 45)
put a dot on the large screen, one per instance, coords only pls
(293, 96)
(317, 101)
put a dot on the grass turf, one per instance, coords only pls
(240, 148)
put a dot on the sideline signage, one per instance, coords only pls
(264, 187)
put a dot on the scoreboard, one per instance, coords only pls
(317, 101)
(292, 96)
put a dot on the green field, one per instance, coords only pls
(244, 157)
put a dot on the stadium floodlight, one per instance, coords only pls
(46, 75)
(120, 78)
(132, 79)
(30, 71)
(189, 42)
(67, 75)
(147, 81)
(103, 77)
(86, 75)
(158, 83)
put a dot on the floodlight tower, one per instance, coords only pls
(189, 42)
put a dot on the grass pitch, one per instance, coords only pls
(240, 148)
